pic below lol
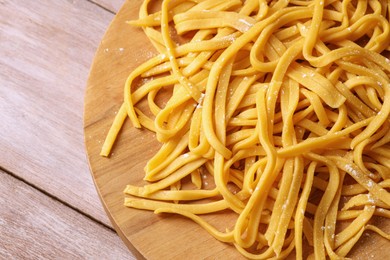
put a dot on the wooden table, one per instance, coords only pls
(49, 207)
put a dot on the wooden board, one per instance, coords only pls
(147, 235)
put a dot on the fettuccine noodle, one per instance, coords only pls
(283, 106)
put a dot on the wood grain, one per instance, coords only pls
(34, 226)
(147, 235)
(46, 51)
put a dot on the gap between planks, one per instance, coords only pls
(57, 199)
(111, 6)
(102, 6)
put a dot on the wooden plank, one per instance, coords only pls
(112, 5)
(34, 226)
(46, 51)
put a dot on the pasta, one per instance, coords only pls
(282, 106)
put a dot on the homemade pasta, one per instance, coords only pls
(282, 106)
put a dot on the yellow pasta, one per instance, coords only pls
(279, 114)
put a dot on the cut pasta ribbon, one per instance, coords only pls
(278, 116)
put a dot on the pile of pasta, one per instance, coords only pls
(277, 113)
